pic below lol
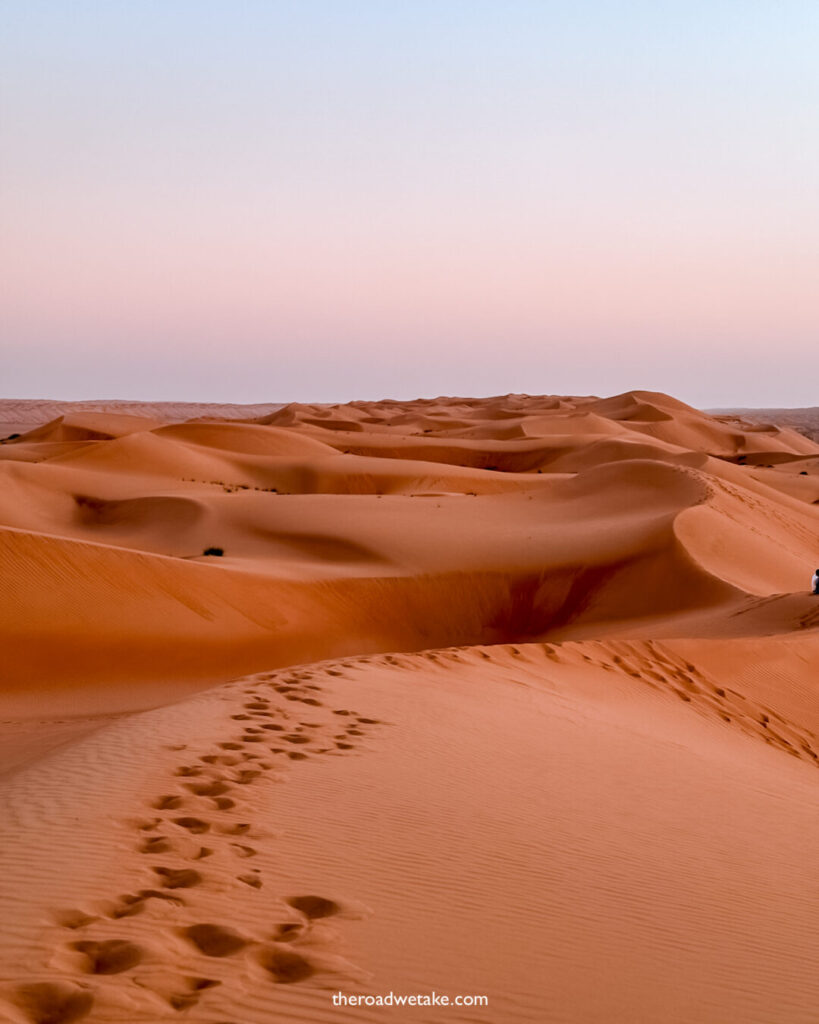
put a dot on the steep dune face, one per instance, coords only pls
(560, 530)
(757, 543)
(537, 673)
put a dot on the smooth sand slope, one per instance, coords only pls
(506, 697)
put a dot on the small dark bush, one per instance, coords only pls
(214, 551)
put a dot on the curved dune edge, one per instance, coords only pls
(204, 869)
(598, 805)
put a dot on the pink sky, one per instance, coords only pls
(340, 201)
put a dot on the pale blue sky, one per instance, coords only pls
(266, 201)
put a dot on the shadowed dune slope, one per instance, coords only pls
(412, 539)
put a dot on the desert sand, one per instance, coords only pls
(511, 698)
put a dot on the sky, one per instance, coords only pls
(264, 201)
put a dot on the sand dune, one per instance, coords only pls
(18, 415)
(508, 697)
(804, 420)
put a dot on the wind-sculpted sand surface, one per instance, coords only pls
(507, 697)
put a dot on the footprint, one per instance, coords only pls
(169, 802)
(252, 880)
(224, 803)
(314, 907)
(296, 738)
(178, 878)
(130, 907)
(236, 830)
(110, 957)
(155, 844)
(215, 940)
(74, 919)
(179, 993)
(284, 966)
(194, 825)
(49, 1002)
(289, 931)
(131, 903)
(243, 851)
(216, 788)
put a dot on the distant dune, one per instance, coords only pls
(20, 414)
(806, 420)
(508, 697)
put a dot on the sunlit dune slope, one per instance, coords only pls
(434, 525)
(510, 697)
(606, 830)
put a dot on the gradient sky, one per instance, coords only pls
(258, 200)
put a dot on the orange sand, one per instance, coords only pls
(518, 691)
